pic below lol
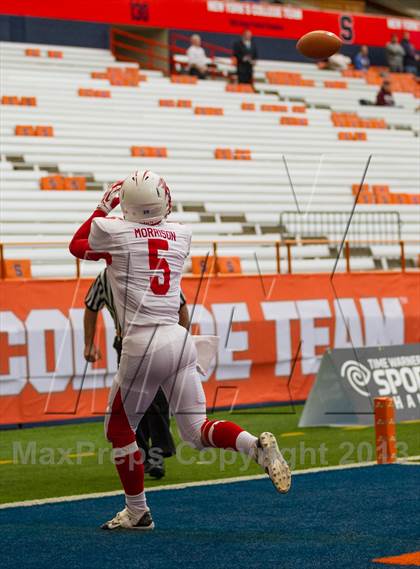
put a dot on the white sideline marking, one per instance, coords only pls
(182, 486)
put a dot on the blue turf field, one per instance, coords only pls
(339, 519)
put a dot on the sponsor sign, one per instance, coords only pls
(273, 333)
(349, 379)
(223, 16)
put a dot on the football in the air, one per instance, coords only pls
(318, 44)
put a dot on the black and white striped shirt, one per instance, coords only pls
(100, 295)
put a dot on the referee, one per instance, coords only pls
(153, 431)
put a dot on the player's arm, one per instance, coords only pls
(79, 245)
(94, 302)
(91, 352)
(184, 317)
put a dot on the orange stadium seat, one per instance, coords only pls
(75, 183)
(399, 199)
(337, 115)
(114, 73)
(33, 52)
(149, 151)
(223, 154)
(198, 264)
(208, 111)
(248, 106)
(10, 100)
(306, 83)
(335, 84)
(240, 88)
(293, 121)
(224, 265)
(167, 102)
(52, 182)
(346, 135)
(229, 154)
(298, 109)
(128, 76)
(286, 78)
(24, 130)
(184, 103)
(58, 182)
(365, 189)
(44, 131)
(28, 101)
(16, 269)
(184, 79)
(351, 119)
(366, 198)
(242, 154)
(382, 198)
(380, 189)
(414, 198)
(102, 93)
(355, 73)
(274, 108)
(55, 54)
(227, 265)
(99, 75)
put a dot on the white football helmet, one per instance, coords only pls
(145, 198)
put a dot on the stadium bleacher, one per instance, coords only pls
(88, 139)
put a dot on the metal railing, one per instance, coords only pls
(129, 46)
(372, 224)
(282, 250)
(147, 50)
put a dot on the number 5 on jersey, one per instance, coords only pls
(157, 263)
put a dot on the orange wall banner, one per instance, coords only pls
(273, 332)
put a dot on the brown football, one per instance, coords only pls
(318, 44)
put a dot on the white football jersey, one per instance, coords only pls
(146, 268)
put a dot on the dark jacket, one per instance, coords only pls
(409, 53)
(384, 99)
(240, 50)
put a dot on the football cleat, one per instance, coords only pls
(127, 520)
(269, 456)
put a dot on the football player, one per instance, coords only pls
(145, 255)
(153, 431)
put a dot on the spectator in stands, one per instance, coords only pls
(362, 61)
(246, 55)
(384, 96)
(197, 59)
(394, 55)
(338, 62)
(410, 56)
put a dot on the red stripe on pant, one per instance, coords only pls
(220, 434)
(120, 434)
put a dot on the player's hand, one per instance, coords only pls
(111, 198)
(92, 353)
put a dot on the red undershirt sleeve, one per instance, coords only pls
(79, 245)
